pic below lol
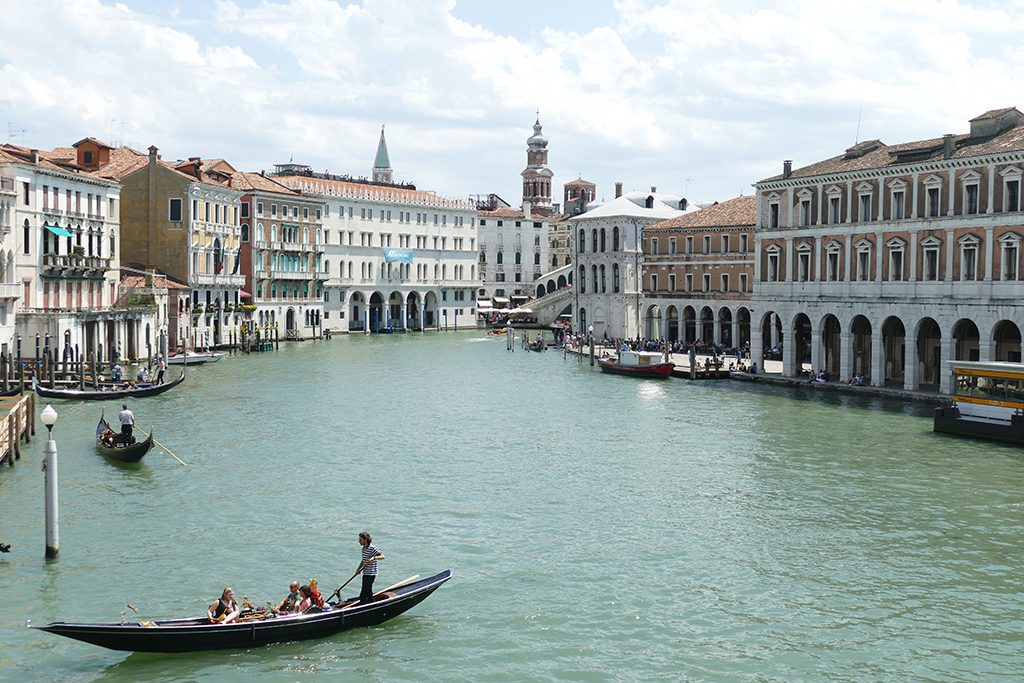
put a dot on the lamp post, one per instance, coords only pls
(590, 336)
(49, 417)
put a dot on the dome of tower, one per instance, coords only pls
(537, 139)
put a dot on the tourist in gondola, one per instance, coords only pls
(368, 565)
(127, 419)
(306, 600)
(290, 602)
(223, 610)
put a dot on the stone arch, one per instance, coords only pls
(831, 347)
(689, 324)
(561, 281)
(928, 350)
(966, 340)
(860, 347)
(429, 310)
(394, 312)
(412, 311)
(1007, 340)
(725, 327)
(672, 323)
(894, 351)
(707, 325)
(541, 290)
(377, 312)
(800, 354)
(743, 325)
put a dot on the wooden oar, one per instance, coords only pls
(169, 451)
(338, 591)
(399, 584)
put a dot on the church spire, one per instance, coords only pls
(382, 163)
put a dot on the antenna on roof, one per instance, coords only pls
(856, 138)
(686, 186)
(13, 132)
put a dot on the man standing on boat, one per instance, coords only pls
(127, 418)
(368, 565)
(161, 365)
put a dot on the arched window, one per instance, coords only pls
(593, 240)
(245, 233)
(593, 272)
(583, 280)
(615, 278)
(273, 233)
(536, 258)
(519, 258)
(25, 237)
(603, 288)
(582, 241)
(602, 239)
(500, 257)
(615, 238)
(305, 235)
(260, 235)
(113, 245)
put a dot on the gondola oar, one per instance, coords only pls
(169, 451)
(338, 592)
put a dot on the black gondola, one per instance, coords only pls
(126, 453)
(140, 391)
(13, 391)
(187, 635)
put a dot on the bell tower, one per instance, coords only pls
(537, 176)
(382, 172)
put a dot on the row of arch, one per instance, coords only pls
(598, 240)
(375, 312)
(554, 284)
(346, 270)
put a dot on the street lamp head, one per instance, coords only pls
(49, 417)
(590, 329)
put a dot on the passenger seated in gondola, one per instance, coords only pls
(223, 610)
(315, 595)
(291, 602)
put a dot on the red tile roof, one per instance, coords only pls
(739, 212)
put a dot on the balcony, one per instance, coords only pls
(290, 275)
(10, 290)
(7, 186)
(220, 280)
(74, 264)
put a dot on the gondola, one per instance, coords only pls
(253, 629)
(13, 391)
(130, 453)
(140, 391)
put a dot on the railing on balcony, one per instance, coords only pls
(290, 275)
(218, 280)
(75, 263)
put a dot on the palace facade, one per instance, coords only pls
(889, 261)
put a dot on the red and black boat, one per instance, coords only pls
(252, 629)
(637, 364)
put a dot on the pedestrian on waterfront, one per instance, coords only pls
(127, 422)
(368, 565)
(117, 373)
(161, 365)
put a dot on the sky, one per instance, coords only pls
(698, 98)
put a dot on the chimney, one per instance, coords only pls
(683, 204)
(948, 145)
(526, 209)
(618, 190)
(787, 168)
(153, 154)
(654, 188)
(34, 155)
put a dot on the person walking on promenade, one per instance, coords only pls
(127, 418)
(368, 565)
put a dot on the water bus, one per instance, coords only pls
(988, 401)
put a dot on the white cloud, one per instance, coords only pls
(670, 90)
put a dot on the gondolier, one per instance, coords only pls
(127, 418)
(369, 566)
(161, 365)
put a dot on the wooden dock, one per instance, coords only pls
(17, 425)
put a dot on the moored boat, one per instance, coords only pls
(194, 358)
(253, 628)
(110, 444)
(988, 401)
(637, 364)
(109, 391)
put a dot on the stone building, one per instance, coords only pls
(282, 255)
(608, 260)
(513, 252)
(698, 275)
(60, 237)
(395, 258)
(537, 176)
(888, 261)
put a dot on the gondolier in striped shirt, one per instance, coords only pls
(368, 565)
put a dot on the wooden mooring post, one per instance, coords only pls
(17, 425)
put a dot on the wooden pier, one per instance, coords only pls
(17, 425)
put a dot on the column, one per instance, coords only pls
(788, 352)
(881, 197)
(774, 331)
(845, 356)
(735, 331)
(910, 362)
(717, 330)
(879, 255)
(952, 191)
(913, 206)
(950, 247)
(789, 208)
(817, 259)
(819, 190)
(789, 261)
(877, 370)
(756, 347)
(945, 375)
(986, 348)
(816, 350)
(405, 316)
(990, 206)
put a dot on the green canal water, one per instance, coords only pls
(598, 527)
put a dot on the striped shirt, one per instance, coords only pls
(370, 567)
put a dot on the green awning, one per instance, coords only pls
(58, 231)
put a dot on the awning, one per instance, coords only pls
(244, 293)
(500, 300)
(58, 231)
(483, 303)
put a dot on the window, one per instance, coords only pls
(725, 244)
(933, 201)
(707, 282)
(174, 210)
(931, 263)
(615, 238)
(273, 209)
(805, 212)
(968, 259)
(725, 282)
(654, 282)
(971, 198)
(615, 278)
(834, 215)
(689, 244)
(773, 266)
(895, 260)
(773, 215)
(1012, 195)
(743, 282)
(582, 241)
(672, 282)
(671, 245)
(863, 264)
(1011, 257)
(865, 208)
(707, 244)
(654, 245)
(898, 204)
(832, 267)
(689, 282)
(245, 209)
(804, 265)
(743, 244)
(245, 232)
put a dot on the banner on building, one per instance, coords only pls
(398, 256)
